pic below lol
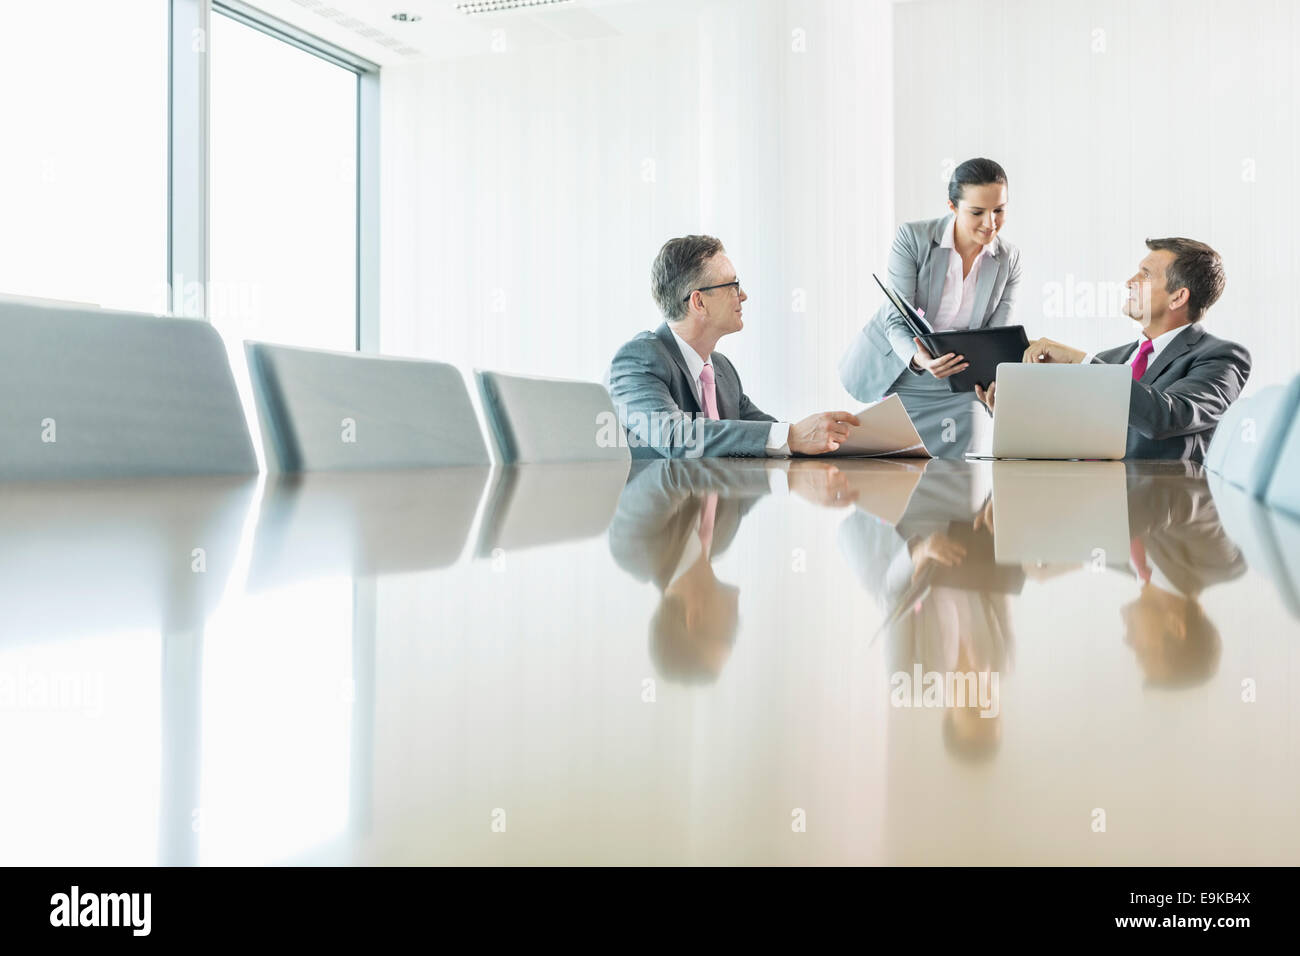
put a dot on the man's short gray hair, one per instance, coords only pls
(678, 271)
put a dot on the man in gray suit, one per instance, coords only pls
(676, 396)
(673, 519)
(1179, 549)
(1184, 379)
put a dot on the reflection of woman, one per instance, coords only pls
(960, 274)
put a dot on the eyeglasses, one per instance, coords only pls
(720, 285)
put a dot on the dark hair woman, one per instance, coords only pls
(960, 274)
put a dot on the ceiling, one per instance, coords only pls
(367, 27)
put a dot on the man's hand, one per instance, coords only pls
(1045, 350)
(940, 367)
(821, 483)
(986, 397)
(820, 433)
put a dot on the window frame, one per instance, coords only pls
(188, 155)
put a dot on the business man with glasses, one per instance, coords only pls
(676, 396)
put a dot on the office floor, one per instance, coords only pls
(707, 662)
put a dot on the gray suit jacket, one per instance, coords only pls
(661, 503)
(653, 394)
(1176, 405)
(917, 267)
(1178, 523)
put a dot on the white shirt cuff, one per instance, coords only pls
(778, 439)
(1087, 359)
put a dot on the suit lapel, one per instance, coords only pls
(935, 269)
(1118, 355)
(984, 286)
(1181, 343)
(727, 387)
(665, 335)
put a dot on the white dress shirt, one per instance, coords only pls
(778, 437)
(1156, 577)
(958, 300)
(1158, 345)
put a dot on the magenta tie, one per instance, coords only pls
(1140, 363)
(710, 393)
(1138, 554)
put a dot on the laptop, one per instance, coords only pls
(1061, 411)
(1092, 529)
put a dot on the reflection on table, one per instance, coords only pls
(709, 661)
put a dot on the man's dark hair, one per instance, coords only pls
(1196, 268)
(678, 270)
(974, 172)
(1193, 659)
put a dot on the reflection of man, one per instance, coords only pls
(943, 597)
(1179, 548)
(673, 518)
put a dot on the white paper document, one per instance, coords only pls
(886, 432)
(884, 486)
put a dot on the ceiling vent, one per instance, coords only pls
(472, 7)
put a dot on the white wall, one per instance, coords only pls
(527, 191)
(1116, 120)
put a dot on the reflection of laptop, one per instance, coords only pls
(1060, 512)
(1061, 411)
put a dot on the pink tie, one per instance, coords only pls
(1140, 363)
(710, 393)
(708, 515)
(1138, 553)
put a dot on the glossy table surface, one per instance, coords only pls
(698, 662)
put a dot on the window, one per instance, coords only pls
(283, 194)
(83, 175)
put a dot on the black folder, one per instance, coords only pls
(984, 349)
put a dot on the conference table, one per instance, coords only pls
(693, 662)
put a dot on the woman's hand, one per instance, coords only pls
(938, 548)
(941, 367)
(986, 396)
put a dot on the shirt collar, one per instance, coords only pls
(1161, 341)
(691, 552)
(1160, 580)
(693, 361)
(948, 231)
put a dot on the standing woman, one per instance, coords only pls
(960, 275)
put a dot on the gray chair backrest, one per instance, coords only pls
(1283, 489)
(551, 420)
(327, 411)
(1226, 436)
(1252, 458)
(91, 393)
